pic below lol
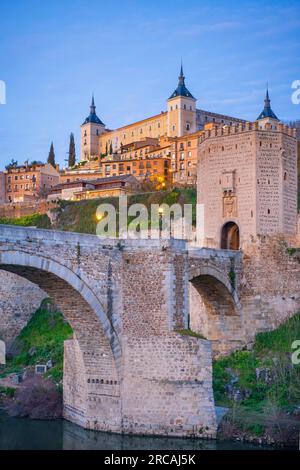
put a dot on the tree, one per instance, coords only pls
(51, 156)
(106, 149)
(110, 149)
(12, 164)
(72, 153)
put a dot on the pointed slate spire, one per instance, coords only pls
(267, 111)
(93, 107)
(181, 77)
(93, 118)
(181, 89)
(267, 98)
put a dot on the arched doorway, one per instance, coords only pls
(230, 236)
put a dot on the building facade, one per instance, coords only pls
(169, 132)
(247, 182)
(78, 190)
(27, 182)
(2, 187)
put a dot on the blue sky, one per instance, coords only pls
(54, 54)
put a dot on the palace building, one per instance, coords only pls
(245, 172)
(171, 136)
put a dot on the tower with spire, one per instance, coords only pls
(181, 110)
(91, 129)
(267, 115)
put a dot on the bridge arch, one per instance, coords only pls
(215, 309)
(91, 363)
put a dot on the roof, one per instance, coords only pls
(93, 118)
(70, 183)
(112, 179)
(267, 111)
(181, 89)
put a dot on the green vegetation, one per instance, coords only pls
(293, 251)
(265, 378)
(7, 392)
(41, 340)
(271, 351)
(81, 216)
(186, 332)
(33, 220)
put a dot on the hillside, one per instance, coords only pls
(80, 216)
(261, 387)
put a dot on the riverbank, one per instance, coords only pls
(261, 388)
(28, 434)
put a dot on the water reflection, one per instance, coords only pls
(26, 434)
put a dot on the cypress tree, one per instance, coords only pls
(72, 153)
(51, 156)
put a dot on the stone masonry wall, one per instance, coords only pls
(270, 282)
(19, 299)
(123, 300)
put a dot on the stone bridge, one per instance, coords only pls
(129, 367)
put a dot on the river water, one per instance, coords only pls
(27, 434)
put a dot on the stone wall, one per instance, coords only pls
(19, 299)
(270, 284)
(123, 299)
(266, 292)
(128, 369)
(20, 209)
(248, 176)
(168, 386)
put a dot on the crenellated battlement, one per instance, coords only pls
(221, 131)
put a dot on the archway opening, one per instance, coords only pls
(230, 236)
(214, 313)
(91, 386)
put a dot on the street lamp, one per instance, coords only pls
(160, 213)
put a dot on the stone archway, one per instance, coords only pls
(230, 236)
(215, 310)
(91, 363)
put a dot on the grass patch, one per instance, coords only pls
(42, 339)
(33, 220)
(271, 352)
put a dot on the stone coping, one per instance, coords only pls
(11, 233)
